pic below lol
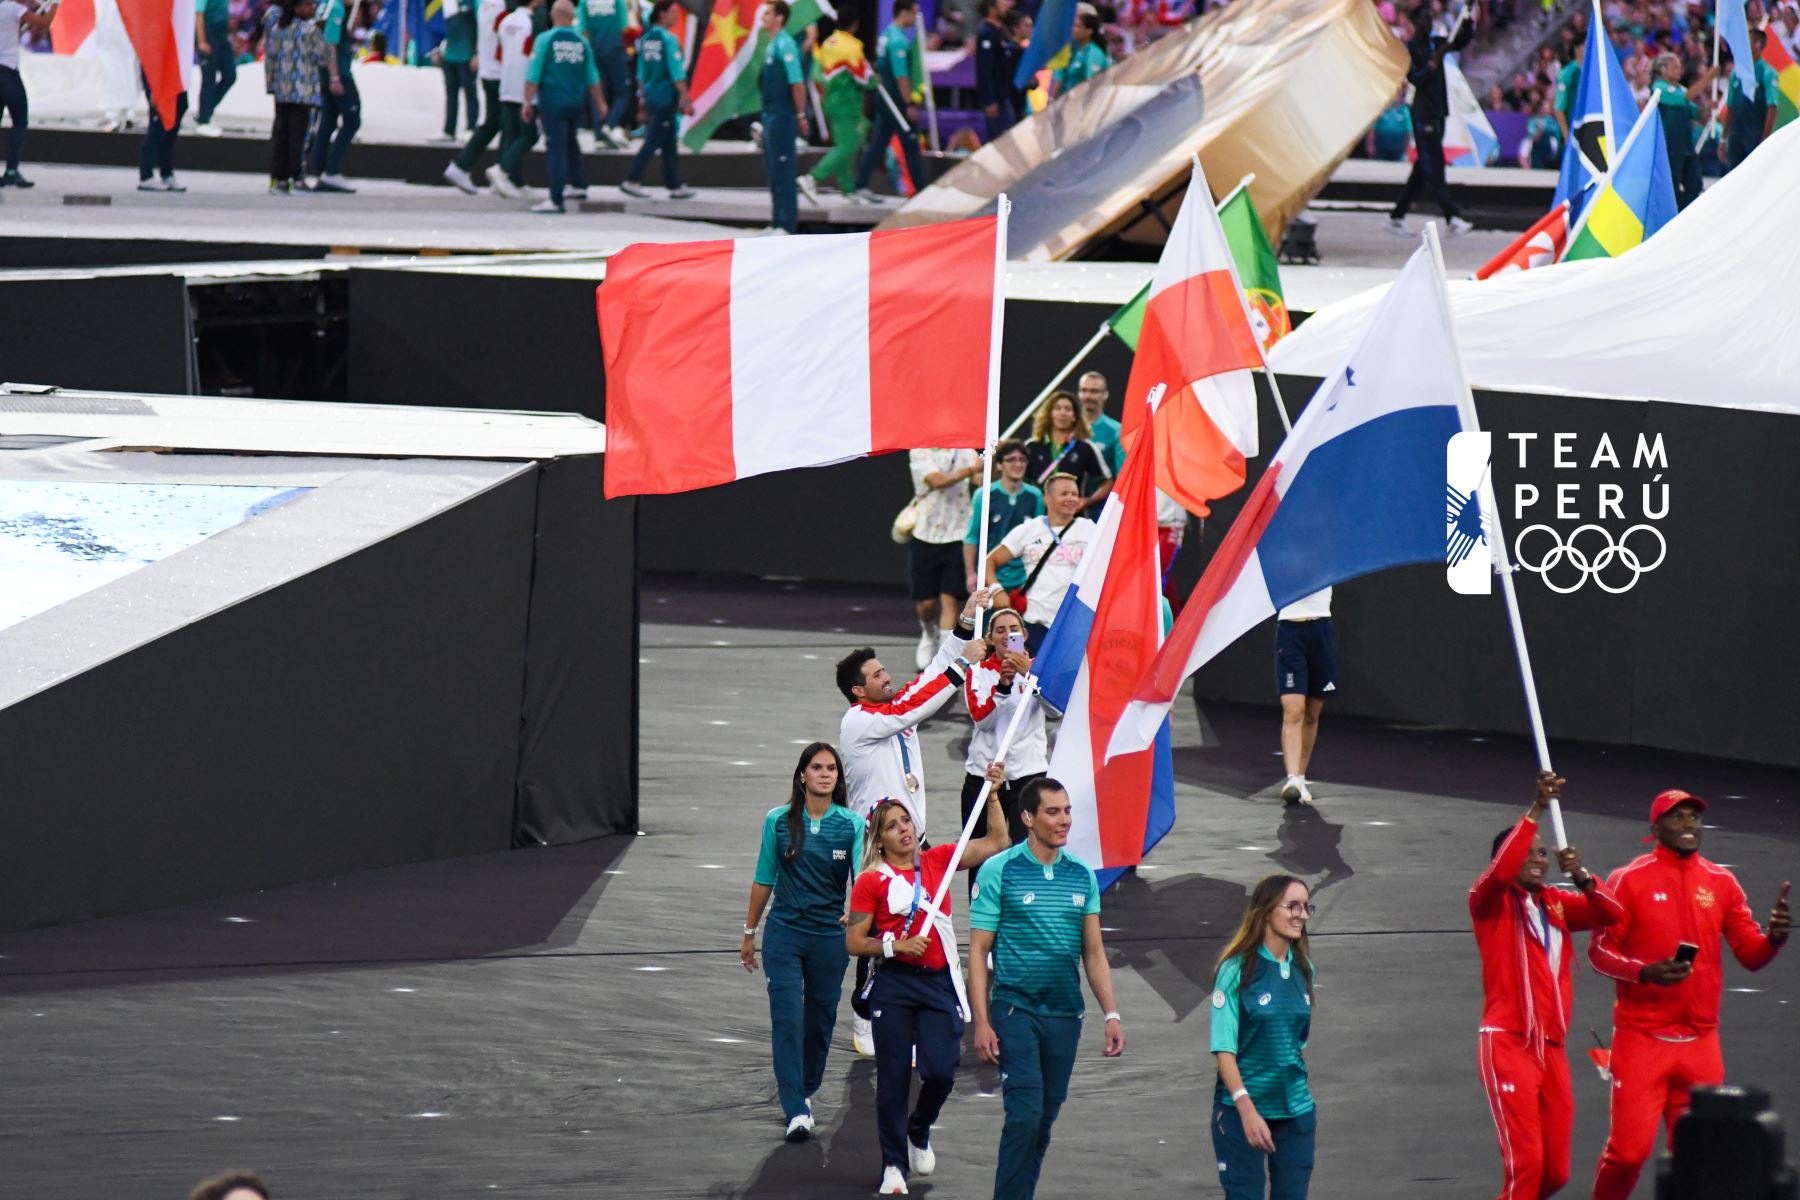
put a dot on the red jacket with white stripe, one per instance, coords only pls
(1670, 899)
(991, 709)
(1523, 992)
(871, 737)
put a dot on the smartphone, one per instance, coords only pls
(1686, 952)
(1015, 642)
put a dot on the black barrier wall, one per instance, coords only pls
(48, 335)
(465, 684)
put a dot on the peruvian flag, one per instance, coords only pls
(1196, 339)
(162, 33)
(1538, 246)
(735, 358)
(1105, 638)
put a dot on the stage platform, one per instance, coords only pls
(573, 1022)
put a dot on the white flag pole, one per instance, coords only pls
(1026, 686)
(931, 114)
(996, 334)
(1056, 380)
(1465, 403)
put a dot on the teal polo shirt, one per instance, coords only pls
(1266, 1025)
(893, 59)
(810, 889)
(216, 14)
(659, 66)
(1085, 62)
(562, 66)
(603, 21)
(1006, 512)
(1035, 914)
(1106, 436)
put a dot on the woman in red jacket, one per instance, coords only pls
(1522, 929)
(1666, 1015)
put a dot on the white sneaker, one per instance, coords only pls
(334, 183)
(461, 180)
(633, 188)
(862, 1036)
(312, 183)
(1290, 791)
(1459, 226)
(920, 1159)
(546, 206)
(772, 231)
(501, 184)
(893, 1183)
(172, 184)
(800, 1128)
(208, 130)
(1397, 227)
(809, 188)
(576, 194)
(684, 192)
(928, 646)
(866, 196)
(756, 133)
(152, 184)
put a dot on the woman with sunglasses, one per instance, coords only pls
(1262, 1014)
(916, 989)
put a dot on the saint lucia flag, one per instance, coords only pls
(1603, 111)
(1104, 637)
(1632, 202)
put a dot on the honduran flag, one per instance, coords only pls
(735, 358)
(1357, 486)
(1104, 637)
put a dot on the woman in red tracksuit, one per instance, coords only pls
(1522, 929)
(1666, 1015)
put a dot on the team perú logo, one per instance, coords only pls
(1591, 528)
(1703, 898)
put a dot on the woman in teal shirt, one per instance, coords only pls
(1261, 1018)
(808, 849)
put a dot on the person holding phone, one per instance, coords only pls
(916, 987)
(1523, 929)
(1666, 1015)
(1051, 547)
(993, 694)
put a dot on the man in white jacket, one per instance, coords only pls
(879, 743)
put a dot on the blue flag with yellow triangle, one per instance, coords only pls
(1632, 202)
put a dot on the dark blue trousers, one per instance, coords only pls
(218, 70)
(158, 154)
(779, 131)
(1037, 1057)
(615, 77)
(659, 137)
(875, 153)
(806, 978)
(912, 1007)
(335, 123)
(1241, 1164)
(563, 151)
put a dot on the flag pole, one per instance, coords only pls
(1465, 403)
(996, 333)
(1606, 58)
(1057, 380)
(1243, 300)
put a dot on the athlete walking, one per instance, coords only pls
(1522, 929)
(1666, 1016)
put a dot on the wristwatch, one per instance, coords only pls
(749, 931)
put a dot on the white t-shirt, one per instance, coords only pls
(1309, 608)
(11, 14)
(487, 38)
(515, 55)
(1030, 542)
(943, 512)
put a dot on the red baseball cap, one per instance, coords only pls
(1674, 796)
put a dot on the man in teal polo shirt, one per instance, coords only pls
(783, 117)
(1093, 393)
(1036, 909)
(340, 108)
(559, 81)
(1087, 57)
(1013, 503)
(603, 24)
(895, 73)
(1749, 118)
(663, 77)
(218, 60)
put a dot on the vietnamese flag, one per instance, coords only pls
(1196, 338)
(162, 33)
(735, 358)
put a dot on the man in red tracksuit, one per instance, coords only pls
(1522, 929)
(1666, 1017)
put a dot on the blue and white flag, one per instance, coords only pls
(1734, 27)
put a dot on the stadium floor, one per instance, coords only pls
(574, 1022)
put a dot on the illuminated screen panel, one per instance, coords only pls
(59, 540)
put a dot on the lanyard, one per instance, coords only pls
(1532, 927)
(905, 758)
(918, 874)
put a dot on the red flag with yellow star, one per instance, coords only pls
(724, 82)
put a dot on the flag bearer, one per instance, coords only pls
(896, 70)
(1037, 911)
(809, 847)
(1675, 108)
(783, 116)
(1522, 929)
(1263, 1111)
(846, 72)
(664, 81)
(916, 988)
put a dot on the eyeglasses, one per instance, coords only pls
(1295, 908)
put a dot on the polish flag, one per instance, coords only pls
(1197, 339)
(731, 359)
(162, 33)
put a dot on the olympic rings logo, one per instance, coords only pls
(1590, 566)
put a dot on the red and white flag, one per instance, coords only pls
(1197, 339)
(731, 359)
(1538, 246)
(162, 33)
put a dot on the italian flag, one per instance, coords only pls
(1195, 336)
(735, 358)
(1787, 79)
(726, 79)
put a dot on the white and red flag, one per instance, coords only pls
(1538, 246)
(162, 33)
(735, 358)
(1197, 339)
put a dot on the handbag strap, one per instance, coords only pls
(1055, 542)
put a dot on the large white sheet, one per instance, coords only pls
(1705, 312)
